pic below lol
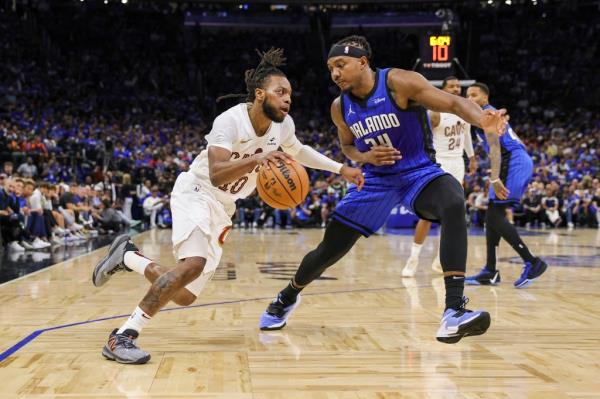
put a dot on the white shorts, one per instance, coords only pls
(456, 167)
(200, 226)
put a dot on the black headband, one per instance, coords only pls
(346, 51)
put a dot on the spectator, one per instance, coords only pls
(532, 205)
(152, 205)
(550, 205)
(28, 169)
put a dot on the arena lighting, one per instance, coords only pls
(124, 1)
(490, 2)
(508, 2)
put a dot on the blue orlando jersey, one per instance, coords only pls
(509, 141)
(378, 120)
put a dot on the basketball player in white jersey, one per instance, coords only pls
(451, 136)
(242, 139)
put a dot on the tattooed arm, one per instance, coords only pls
(495, 161)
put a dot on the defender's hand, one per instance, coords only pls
(501, 191)
(494, 121)
(381, 155)
(353, 175)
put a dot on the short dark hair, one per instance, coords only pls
(446, 80)
(482, 86)
(255, 78)
(357, 41)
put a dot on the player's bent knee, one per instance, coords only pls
(454, 208)
(191, 268)
(184, 298)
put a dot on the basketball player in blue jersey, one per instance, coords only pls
(511, 165)
(382, 123)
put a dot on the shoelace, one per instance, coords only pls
(462, 309)
(276, 309)
(116, 269)
(125, 341)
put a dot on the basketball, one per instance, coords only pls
(283, 186)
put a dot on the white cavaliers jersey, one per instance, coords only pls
(233, 131)
(450, 135)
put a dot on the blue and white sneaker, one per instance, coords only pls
(531, 271)
(484, 277)
(277, 314)
(459, 323)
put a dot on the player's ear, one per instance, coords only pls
(259, 94)
(364, 62)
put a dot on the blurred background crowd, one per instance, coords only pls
(102, 106)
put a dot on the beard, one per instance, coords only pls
(271, 112)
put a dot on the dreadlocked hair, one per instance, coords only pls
(357, 41)
(255, 78)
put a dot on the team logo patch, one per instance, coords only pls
(350, 112)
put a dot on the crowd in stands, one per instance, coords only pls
(95, 126)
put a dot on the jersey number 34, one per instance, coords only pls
(382, 139)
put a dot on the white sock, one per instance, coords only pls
(137, 321)
(136, 261)
(415, 250)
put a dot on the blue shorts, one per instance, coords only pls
(515, 173)
(367, 210)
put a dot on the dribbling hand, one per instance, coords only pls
(273, 156)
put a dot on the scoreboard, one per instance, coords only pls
(437, 55)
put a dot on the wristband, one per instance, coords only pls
(495, 180)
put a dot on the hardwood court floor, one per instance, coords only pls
(363, 332)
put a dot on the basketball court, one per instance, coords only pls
(362, 331)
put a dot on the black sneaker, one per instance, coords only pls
(531, 271)
(484, 277)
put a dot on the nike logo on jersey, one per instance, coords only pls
(245, 141)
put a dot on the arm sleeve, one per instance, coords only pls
(469, 142)
(312, 158)
(222, 133)
(305, 154)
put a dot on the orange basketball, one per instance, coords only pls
(283, 186)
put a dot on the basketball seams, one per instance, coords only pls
(299, 174)
(262, 191)
(284, 185)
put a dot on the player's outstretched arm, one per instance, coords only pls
(312, 158)
(415, 87)
(495, 161)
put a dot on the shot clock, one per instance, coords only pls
(437, 54)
